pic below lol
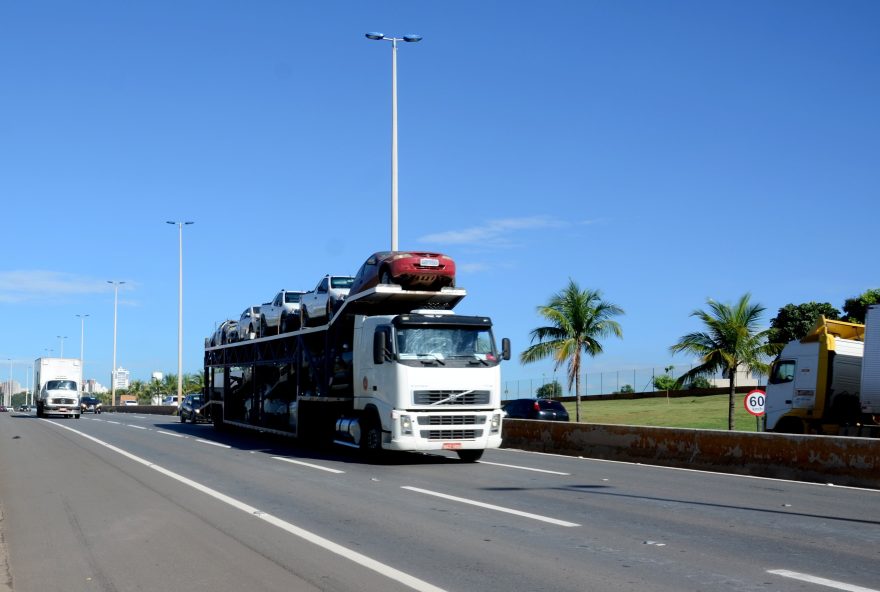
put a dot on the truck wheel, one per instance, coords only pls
(469, 456)
(789, 425)
(371, 436)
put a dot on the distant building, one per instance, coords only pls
(95, 387)
(158, 376)
(122, 378)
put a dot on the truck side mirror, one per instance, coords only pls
(505, 348)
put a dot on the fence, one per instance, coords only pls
(639, 380)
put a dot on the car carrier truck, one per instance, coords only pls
(829, 381)
(392, 369)
(57, 384)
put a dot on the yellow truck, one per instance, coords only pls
(829, 381)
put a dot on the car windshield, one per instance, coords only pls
(61, 385)
(89, 400)
(341, 282)
(292, 297)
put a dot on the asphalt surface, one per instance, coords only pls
(137, 502)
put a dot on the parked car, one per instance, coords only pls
(90, 405)
(324, 300)
(191, 408)
(226, 332)
(544, 409)
(3, 409)
(249, 323)
(130, 403)
(410, 270)
(169, 400)
(24, 408)
(282, 314)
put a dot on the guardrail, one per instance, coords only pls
(823, 459)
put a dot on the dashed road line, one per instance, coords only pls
(493, 507)
(217, 444)
(310, 465)
(137, 427)
(170, 434)
(483, 462)
(819, 581)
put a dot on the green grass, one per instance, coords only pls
(686, 412)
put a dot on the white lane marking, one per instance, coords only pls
(137, 427)
(491, 507)
(819, 581)
(111, 421)
(371, 564)
(483, 462)
(218, 444)
(170, 434)
(716, 473)
(305, 464)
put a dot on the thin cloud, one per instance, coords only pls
(493, 233)
(22, 286)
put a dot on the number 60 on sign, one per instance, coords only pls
(754, 403)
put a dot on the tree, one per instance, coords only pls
(699, 382)
(730, 342)
(577, 320)
(551, 390)
(793, 321)
(664, 382)
(856, 308)
(626, 389)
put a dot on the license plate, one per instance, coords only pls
(452, 446)
(62, 409)
(429, 263)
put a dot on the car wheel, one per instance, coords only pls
(329, 310)
(262, 327)
(282, 324)
(469, 455)
(305, 317)
(182, 418)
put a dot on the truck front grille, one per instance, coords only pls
(435, 396)
(450, 434)
(61, 401)
(451, 420)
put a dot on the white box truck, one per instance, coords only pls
(58, 384)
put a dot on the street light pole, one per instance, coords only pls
(116, 285)
(82, 335)
(394, 40)
(62, 338)
(180, 226)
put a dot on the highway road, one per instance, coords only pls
(120, 502)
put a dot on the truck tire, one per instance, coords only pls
(39, 410)
(789, 425)
(371, 435)
(469, 456)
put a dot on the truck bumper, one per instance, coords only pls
(419, 431)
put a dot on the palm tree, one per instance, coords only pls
(577, 319)
(731, 341)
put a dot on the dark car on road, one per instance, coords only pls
(90, 405)
(544, 409)
(192, 408)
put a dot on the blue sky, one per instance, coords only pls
(662, 152)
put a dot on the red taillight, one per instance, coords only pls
(537, 407)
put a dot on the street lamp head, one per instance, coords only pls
(376, 36)
(412, 38)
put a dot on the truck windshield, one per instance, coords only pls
(472, 343)
(61, 385)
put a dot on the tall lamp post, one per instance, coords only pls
(394, 40)
(113, 369)
(62, 338)
(82, 335)
(180, 226)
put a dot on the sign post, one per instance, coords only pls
(754, 403)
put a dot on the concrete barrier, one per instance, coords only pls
(823, 459)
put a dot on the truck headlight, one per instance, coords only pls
(406, 425)
(495, 423)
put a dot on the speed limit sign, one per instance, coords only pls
(754, 403)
